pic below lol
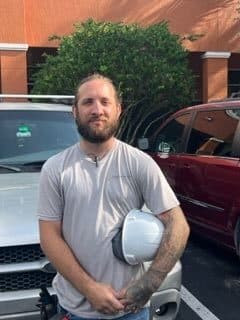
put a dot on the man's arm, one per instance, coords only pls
(170, 250)
(102, 297)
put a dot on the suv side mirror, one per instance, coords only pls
(143, 143)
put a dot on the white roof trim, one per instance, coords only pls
(13, 46)
(40, 96)
(216, 55)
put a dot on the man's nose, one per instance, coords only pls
(97, 108)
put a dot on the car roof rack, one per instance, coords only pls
(65, 99)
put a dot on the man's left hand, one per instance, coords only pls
(136, 295)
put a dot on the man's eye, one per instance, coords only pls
(87, 102)
(105, 102)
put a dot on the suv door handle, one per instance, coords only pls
(172, 165)
(186, 166)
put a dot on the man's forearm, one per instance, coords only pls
(101, 296)
(62, 258)
(171, 248)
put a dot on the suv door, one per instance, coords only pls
(210, 181)
(168, 146)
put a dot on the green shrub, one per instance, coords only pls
(147, 64)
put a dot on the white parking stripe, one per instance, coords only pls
(196, 305)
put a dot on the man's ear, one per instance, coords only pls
(74, 111)
(119, 109)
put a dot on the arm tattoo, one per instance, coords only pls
(140, 291)
(172, 246)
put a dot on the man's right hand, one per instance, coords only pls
(104, 299)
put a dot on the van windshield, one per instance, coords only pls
(29, 136)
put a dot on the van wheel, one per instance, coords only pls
(237, 237)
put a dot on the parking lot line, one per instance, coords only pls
(196, 305)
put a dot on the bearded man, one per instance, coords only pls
(85, 193)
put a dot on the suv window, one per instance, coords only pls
(170, 138)
(213, 132)
(31, 136)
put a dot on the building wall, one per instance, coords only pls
(13, 71)
(12, 21)
(31, 22)
(215, 71)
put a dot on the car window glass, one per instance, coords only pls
(213, 132)
(170, 137)
(30, 135)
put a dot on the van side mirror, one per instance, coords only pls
(143, 143)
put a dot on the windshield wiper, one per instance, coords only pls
(34, 163)
(12, 168)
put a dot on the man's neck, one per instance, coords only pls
(97, 149)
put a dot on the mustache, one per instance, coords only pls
(94, 118)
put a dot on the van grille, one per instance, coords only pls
(25, 280)
(18, 254)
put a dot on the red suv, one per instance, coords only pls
(198, 149)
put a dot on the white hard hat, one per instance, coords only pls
(139, 238)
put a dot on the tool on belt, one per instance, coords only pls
(48, 306)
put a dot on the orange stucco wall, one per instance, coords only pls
(13, 72)
(33, 21)
(12, 19)
(215, 75)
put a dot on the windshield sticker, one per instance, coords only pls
(23, 132)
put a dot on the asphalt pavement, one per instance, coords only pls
(212, 276)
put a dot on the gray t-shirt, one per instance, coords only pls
(92, 201)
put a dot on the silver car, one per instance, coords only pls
(30, 133)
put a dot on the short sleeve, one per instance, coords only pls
(157, 193)
(50, 199)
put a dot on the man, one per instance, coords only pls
(85, 193)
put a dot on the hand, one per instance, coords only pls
(136, 295)
(104, 299)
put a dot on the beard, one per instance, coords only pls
(96, 135)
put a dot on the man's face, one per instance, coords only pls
(97, 112)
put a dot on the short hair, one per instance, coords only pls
(96, 76)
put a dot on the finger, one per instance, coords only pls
(132, 307)
(110, 310)
(135, 309)
(113, 301)
(116, 304)
(123, 301)
(121, 293)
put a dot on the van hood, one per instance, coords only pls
(18, 205)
